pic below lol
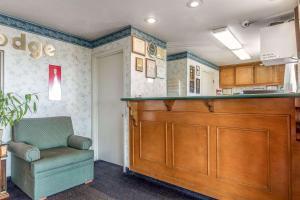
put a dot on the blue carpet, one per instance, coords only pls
(111, 183)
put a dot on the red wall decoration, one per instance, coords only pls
(54, 83)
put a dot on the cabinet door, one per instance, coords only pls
(227, 77)
(264, 75)
(278, 75)
(252, 156)
(244, 75)
(149, 146)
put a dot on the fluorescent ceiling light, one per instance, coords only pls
(151, 20)
(193, 3)
(227, 38)
(241, 54)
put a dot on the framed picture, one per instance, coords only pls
(161, 53)
(54, 83)
(1, 70)
(192, 86)
(138, 46)
(139, 64)
(192, 73)
(197, 86)
(198, 70)
(150, 68)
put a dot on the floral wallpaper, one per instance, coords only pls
(23, 74)
(177, 77)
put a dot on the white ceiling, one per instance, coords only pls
(182, 27)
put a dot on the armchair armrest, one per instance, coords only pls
(79, 142)
(24, 151)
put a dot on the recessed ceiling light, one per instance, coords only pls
(150, 20)
(193, 3)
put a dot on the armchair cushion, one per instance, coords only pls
(79, 142)
(58, 157)
(24, 151)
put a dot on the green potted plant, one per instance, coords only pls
(14, 107)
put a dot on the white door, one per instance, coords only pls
(207, 84)
(110, 79)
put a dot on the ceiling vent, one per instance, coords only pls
(278, 44)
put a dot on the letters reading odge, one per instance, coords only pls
(36, 49)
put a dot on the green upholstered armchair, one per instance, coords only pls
(48, 158)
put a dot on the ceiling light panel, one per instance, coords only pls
(241, 54)
(225, 36)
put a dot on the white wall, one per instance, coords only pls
(203, 68)
(176, 77)
(24, 74)
(179, 71)
(135, 84)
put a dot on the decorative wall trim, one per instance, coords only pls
(42, 30)
(125, 32)
(148, 37)
(190, 55)
(66, 37)
(122, 33)
(177, 56)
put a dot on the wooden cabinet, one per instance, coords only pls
(3, 181)
(278, 74)
(215, 147)
(264, 75)
(244, 75)
(227, 76)
(251, 74)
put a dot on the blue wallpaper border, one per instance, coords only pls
(190, 55)
(117, 35)
(128, 31)
(66, 37)
(42, 30)
(149, 38)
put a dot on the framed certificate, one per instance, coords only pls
(192, 73)
(139, 64)
(198, 70)
(197, 86)
(161, 53)
(138, 46)
(150, 68)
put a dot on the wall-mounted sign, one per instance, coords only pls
(36, 49)
(54, 83)
(152, 50)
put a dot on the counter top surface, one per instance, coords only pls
(240, 96)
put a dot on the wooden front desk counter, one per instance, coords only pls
(235, 147)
